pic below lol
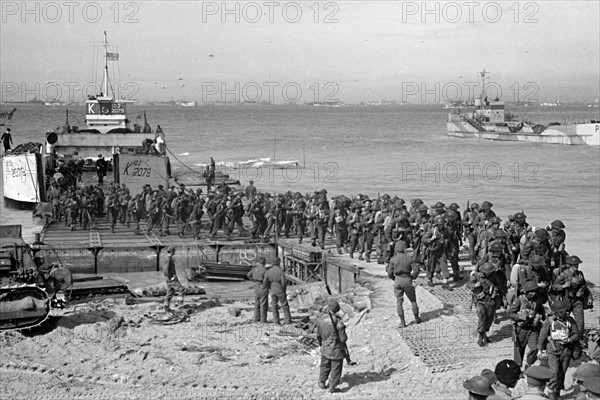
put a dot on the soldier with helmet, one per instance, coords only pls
(173, 284)
(486, 236)
(559, 336)
(557, 242)
(420, 222)
(484, 285)
(479, 388)
(528, 314)
(534, 270)
(367, 223)
(437, 246)
(469, 230)
(538, 245)
(402, 269)
(340, 216)
(353, 222)
(453, 225)
(516, 231)
(569, 285)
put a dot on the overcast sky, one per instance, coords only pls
(370, 49)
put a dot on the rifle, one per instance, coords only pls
(337, 334)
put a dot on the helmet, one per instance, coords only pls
(422, 207)
(530, 286)
(558, 224)
(399, 246)
(439, 220)
(479, 385)
(454, 206)
(542, 233)
(496, 220)
(537, 261)
(486, 205)
(474, 206)
(496, 246)
(439, 205)
(573, 260)
(520, 217)
(404, 214)
(450, 216)
(488, 268)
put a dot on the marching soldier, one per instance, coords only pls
(469, 230)
(403, 270)
(113, 208)
(539, 245)
(437, 242)
(528, 314)
(536, 272)
(453, 227)
(355, 229)
(557, 242)
(367, 222)
(558, 337)
(300, 218)
(322, 221)
(340, 216)
(570, 285)
(485, 292)
(516, 231)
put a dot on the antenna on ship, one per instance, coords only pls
(108, 56)
(484, 75)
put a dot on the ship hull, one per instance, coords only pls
(573, 134)
(89, 145)
(23, 179)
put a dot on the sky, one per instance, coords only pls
(285, 51)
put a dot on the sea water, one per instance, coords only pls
(400, 150)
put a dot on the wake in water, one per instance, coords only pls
(255, 163)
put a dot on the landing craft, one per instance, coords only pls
(179, 79)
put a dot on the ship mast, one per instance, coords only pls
(107, 55)
(484, 75)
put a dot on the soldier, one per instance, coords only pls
(539, 244)
(570, 285)
(167, 215)
(559, 336)
(355, 229)
(101, 168)
(260, 221)
(367, 222)
(516, 231)
(340, 216)
(237, 211)
(261, 292)
(557, 242)
(173, 284)
(275, 281)
(485, 291)
(593, 348)
(137, 211)
(528, 314)
(453, 227)
(437, 242)
(469, 230)
(154, 213)
(507, 373)
(182, 213)
(537, 378)
(486, 236)
(585, 372)
(332, 338)
(536, 272)
(402, 269)
(592, 385)
(482, 220)
(113, 208)
(321, 222)
(300, 218)
(195, 217)
(250, 191)
(479, 388)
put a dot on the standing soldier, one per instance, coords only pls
(453, 227)
(322, 222)
(540, 245)
(402, 269)
(237, 211)
(485, 292)
(537, 378)
(528, 314)
(137, 211)
(420, 221)
(275, 281)
(73, 211)
(536, 272)
(332, 338)
(250, 191)
(261, 292)
(195, 218)
(173, 284)
(558, 337)
(260, 221)
(367, 223)
(167, 215)
(101, 167)
(437, 242)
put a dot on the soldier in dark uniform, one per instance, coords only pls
(137, 211)
(173, 284)
(528, 314)
(321, 222)
(250, 191)
(367, 222)
(453, 226)
(261, 292)
(237, 212)
(539, 245)
(258, 212)
(479, 388)
(113, 211)
(559, 336)
(535, 271)
(485, 292)
(402, 269)
(276, 282)
(331, 335)
(195, 218)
